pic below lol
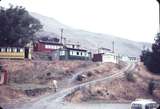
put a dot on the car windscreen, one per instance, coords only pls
(136, 106)
(151, 106)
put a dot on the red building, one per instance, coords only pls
(46, 46)
(97, 57)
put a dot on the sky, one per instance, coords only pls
(131, 19)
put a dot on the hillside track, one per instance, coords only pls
(56, 100)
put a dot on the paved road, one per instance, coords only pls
(55, 100)
(89, 106)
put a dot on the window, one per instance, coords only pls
(46, 46)
(11, 49)
(136, 106)
(71, 53)
(87, 55)
(8, 49)
(18, 50)
(81, 54)
(5, 49)
(58, 47)
(77, 53)
(151, 106)
(62, 53)
(54, 47)
(15, 50)
(2, 49)
(21, 50)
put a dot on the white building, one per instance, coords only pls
(129, 59)
(110, 57)
(105, 57)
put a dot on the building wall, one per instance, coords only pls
(125, 58)
(97, 57)
(109, 58)
(105, 57)
(46, 47)
(129, 59)
(66, 54)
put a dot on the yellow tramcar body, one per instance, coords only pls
(12, 53)
(6, 55)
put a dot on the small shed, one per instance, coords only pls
(105, 57)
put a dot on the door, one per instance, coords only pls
(26, 52)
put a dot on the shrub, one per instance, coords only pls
(151, 87)
(129, 76)
(89, 74)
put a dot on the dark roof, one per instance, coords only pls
(11, 47)
(107, 49)
(49, 42)
(98, 54)
(76, 49)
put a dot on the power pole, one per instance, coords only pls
(65, 41)
(78, 44)
(113, 46)
(159, 13)
(62, 30)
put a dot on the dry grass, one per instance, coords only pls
(120, 90)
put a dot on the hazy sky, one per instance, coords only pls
(132, 19)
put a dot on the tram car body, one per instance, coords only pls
(15, 53)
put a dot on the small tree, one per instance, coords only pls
(17, 26)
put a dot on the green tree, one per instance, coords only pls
(17, 26)
(151, 59)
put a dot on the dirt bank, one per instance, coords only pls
(30, 79)
(123, 89)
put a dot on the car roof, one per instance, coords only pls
(143, 101)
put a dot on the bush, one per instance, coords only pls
(89, 74)
(129, 76)
(151, 87)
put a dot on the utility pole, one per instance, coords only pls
(62, 30)
(65, 41)
(159, 13)
(113, 46)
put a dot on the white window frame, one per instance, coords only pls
(21, 50)
(9, 49)
(62, 53)
(71, 52)
(14, 50)
(2, 49)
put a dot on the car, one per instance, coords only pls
(144, 104)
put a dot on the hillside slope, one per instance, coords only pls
(90, 40)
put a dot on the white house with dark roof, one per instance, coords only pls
(71, 52)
